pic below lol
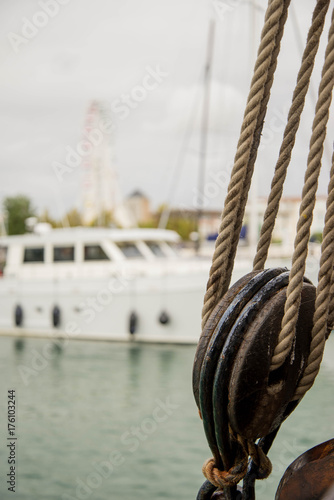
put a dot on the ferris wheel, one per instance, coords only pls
(100, 190)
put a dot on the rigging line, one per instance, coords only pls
(181, 155)
(330, 322)
(291, 128)
(313, 92)
(324, 299)
(235, 201)
(319, 128)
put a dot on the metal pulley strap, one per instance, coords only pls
(206, 491)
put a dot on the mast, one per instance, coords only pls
(204, 128)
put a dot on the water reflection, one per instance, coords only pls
(102, 394)
(19, 345)
(58, 346)
(134, 354)
(166, 359)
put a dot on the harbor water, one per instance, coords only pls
(105, 421)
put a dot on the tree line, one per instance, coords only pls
(17, 209)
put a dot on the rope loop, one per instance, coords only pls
(262, 462)
(222, 478)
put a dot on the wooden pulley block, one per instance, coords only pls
(232, 382)
(260, 399)
(209, 329)
(257, 399)
(310, 476)
(212, 342)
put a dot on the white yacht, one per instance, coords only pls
(101, 284)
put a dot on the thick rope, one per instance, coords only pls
(232, 201)
(306, 208)
(297, 106)
(323, 298)
(234, 207)
(255, 146)
(330, 322)
(218, 272)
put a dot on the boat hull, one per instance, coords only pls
(161, 309)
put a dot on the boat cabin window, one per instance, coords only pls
(95, 252)
(35, 254)
(3, 257)
(130, 250)
(63, 254)
(172, 247)
(155, 249)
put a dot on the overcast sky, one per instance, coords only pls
(105, 50)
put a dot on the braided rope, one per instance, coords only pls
(255, 145)
(330, 322)
(237, 464)
(220, 264)
(297, 106)
(323, 298)
(306, 208)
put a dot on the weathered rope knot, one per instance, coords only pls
(224, 478)
(260, 459)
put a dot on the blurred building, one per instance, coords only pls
(286, 223)
(139, 207)
(285, 227)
